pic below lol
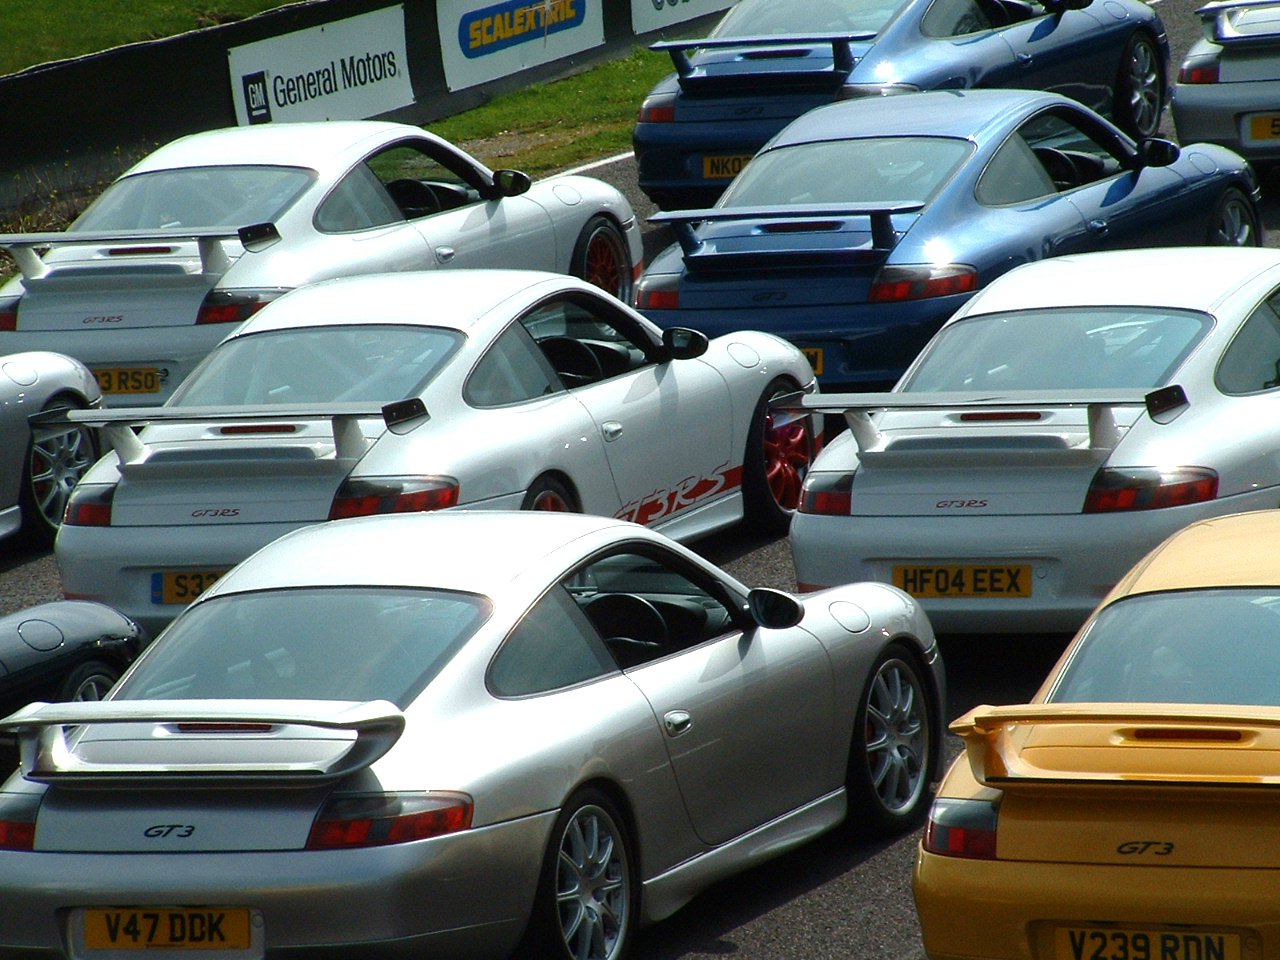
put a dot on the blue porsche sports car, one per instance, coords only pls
(769, 61)
(864, 224)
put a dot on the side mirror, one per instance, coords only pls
(681, 343)
(774, 609)
(511, 183)
(1157, 152)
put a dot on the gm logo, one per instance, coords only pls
(255, 97)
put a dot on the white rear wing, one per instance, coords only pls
(206, 741)
(1222, 22)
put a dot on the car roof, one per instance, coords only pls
(316, 145)
(476, 551)
(455, 299)
(1236, 550)
(1189, 278)
(939, 113)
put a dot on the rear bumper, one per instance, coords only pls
(1220, 113)
(670, 157)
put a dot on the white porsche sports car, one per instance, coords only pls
(419, 391)
(1066, 420)
(204, 231)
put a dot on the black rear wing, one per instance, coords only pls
(25, 247)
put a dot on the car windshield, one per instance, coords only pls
(1060, 348)
(862, 170)
(1189, 646)
(759, 18)
(348, 643)
(372, 363)
(197, 197)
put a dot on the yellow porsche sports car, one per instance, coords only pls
(1131, 810)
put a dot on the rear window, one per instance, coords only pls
(1191, 646)
(352, 643)
(1059, 349)
(197, 197)
(371, 363)
(865, 170)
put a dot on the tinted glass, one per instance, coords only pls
(364, 363)
(316, 643)
(197, 197)
(771, 18)
(864, 170)
(1060, 349)
(1194, 646)
(1252, 361)
(553, 647)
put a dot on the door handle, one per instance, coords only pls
(445, 254)
(677, 722)
(1025, 59)
(611, 429)
(1099, 228)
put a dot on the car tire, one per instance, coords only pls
(588, 893)
(601, 257)
(53, 465)
(776, 461)
(551, 494)
(892, 757)
(1139, 90)
(89, 681)
(1234, 222)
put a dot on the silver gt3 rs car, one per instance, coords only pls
(1059, 426)
(417, 391)
(200, 234)
(39, 467)
(433, 734)
(1228, 90)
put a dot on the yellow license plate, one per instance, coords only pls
(723, 168)
(128, 379)
(151, 928)
(181, 586)
(1265, 126)
(814, 356)
(965, 580)
(1099, 943)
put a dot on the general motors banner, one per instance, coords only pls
(349, 69)
(485, 41)
(650, 15)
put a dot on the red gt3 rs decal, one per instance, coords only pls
(690, 490)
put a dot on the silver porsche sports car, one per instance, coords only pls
(440, 734)
(200, 234)
(39, 467)
(418, 391)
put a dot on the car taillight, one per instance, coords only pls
(661, 292)
(9, 313)
(658, 109)
(922, 281)
(362, 498)
(18, 821)
(1149, 488)
(1198, 73)
(233, 306)
(962, 828)
(830, 494)
(89, 505)
(376, 820)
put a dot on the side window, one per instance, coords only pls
(1014, 175)
(1252, 360)
(581, 343)
(358, 202)
(644, 608)
(954, 18)
(513, 370)
(553, 647)
(423, 178)
(1071, 153)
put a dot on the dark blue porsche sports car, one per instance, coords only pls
(769, 61)
(864, 224)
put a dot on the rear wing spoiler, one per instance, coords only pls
(1161, 405)
(841, 47)
(883, 236)
(1138, 731)
(400, 416)
(1220, 27)
(25, 247)
(307, 740)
